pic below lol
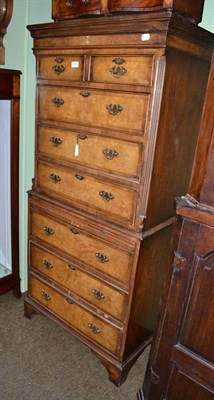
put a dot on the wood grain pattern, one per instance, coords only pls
(147, 110)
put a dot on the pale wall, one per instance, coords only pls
(19, 56)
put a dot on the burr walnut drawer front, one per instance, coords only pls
(74, 279)
(122, 69)
(61, 67)
(117, 201)
(112, 260)
(111, 155)
(81, 320)
(94, 108)
(62, 9)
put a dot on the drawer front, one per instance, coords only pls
(115, 5)
(94, 108)
(69, 239)
(61, 67)
(122, 69)
(91, 326)
(116, 200)
(73, 278)
(62, 9)
(111, 155)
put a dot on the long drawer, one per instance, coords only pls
(116, 200)
(94, 108)
(74, 279)
(102, 255)
(111, 155)
(62, 306)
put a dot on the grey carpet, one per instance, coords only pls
(40, 360)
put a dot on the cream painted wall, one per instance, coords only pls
(19, 56)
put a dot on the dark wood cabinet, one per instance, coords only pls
(10, 98)
(181, 364)
(114, 146)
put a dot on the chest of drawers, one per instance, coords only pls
(118, 110)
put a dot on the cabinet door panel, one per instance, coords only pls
(198, 326)
(181, 386)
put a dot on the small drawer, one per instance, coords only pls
(108, 154)
(119, 202)
(107, 258)
(74, 279)
(61, 67)
(94, 108)
(81, 320)
(62, 9)
(122, 69)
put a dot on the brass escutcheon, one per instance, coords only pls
(55, 141)
(117, 72)
(97, 294)
(45, 296)
(119, 61)
(94, 328)
(102, 258)
(58, 69)
(57, 101)
(110, 154)
(47, 264)
(48, 231)
(105, 196)
(114, 109)
(55, 178)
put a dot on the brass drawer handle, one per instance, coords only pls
(114, 109)
(94, 328)
(56, 141)
(48, 231)
(82, 136)
(79, 177)
(46, 296)
(85, 94)
(102, 258)
(105, 196)
(57, 101)
(97, 294)
(117, 72)
(72, 267)
(59, 60)
(110, 154)
(118, 61)
(85, 1)
(47, 264)
(69, 301)
(55, 178)
(74, 231)
(58, 69)
(69, 4)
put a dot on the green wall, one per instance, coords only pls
(19, 56)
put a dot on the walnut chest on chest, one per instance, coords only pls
(118, 108)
